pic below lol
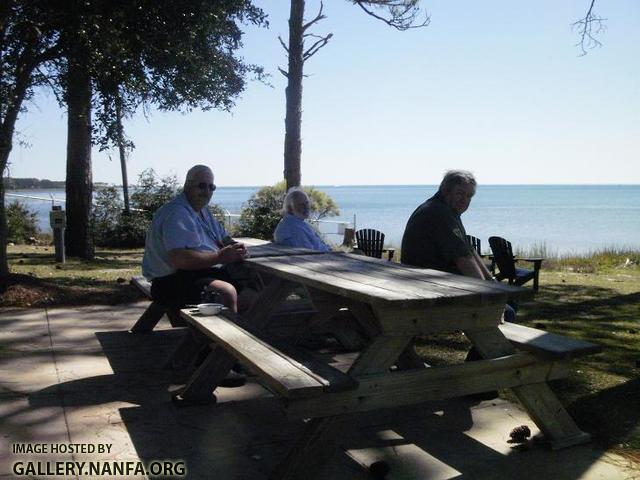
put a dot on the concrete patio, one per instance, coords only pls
(76, 376)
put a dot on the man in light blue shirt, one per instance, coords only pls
(184, 248)
(292, 230)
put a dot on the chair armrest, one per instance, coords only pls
(537, 261)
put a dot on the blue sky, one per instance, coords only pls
(496, 87)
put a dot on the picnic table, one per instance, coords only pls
(392, 304)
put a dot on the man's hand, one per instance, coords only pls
(185, 259)
(232, 253)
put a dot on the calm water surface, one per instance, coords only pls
(563, 218)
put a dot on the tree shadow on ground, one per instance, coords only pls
(108, 260)
(19, 290)
(561, 303)
(612, 415)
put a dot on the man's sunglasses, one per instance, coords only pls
(204, 186)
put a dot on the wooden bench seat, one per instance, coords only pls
(547, 344)
(154, 312)
(287, 371)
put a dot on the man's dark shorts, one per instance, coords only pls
(185, 286)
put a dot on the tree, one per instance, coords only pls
(27, 45)
(171, 55)
(399, 14)
(135, 58)
(263, 211)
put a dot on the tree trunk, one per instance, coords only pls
(7, 127)
(123, 155)
(4, 264)
(79, 186)
(293, 119)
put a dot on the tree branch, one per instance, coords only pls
(402, 13)
(283, 72)
(313, 49)
(589, 27)
(318, 17)
(284, 45)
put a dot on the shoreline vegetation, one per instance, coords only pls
(11, 184)
(594, 297)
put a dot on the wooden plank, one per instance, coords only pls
(448, 279)
(395, 389)
(377, 275)
(266, 304)
(285, 375)
(284, 268)
(435, 319)
(379, 355)
(545, 343)
(540, 402)
(337, 380)
(273, 250)
(311, 452)
(352, 275)
(279, 372)
(550, 416)
(208, 375)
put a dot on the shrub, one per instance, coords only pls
(114, 228)
(152, 192)
(263, 210)
(22, 223)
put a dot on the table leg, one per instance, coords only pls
(327, 306)
(199, 389)
(538, 399)
(311, 451)
(267, 302)
(319, 440)
(183, 353)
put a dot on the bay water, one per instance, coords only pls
(561, 219)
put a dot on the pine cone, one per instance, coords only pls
(520, 434)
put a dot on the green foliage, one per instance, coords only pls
(172, 55)
(263, 211)
(153, 192)
(21, 223)
(218, 212)
(112, 227)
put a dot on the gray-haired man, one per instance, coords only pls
(184, 249)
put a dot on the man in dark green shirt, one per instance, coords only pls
(435, 237)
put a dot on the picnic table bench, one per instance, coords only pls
(284, 369)
(392, 304)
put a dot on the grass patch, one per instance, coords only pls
(37, 280)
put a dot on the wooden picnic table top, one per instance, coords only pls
(270, 249)
(373, 281)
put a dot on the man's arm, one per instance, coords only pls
(185, 259)
(469, 267)
(472, 266)
(483, 268)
